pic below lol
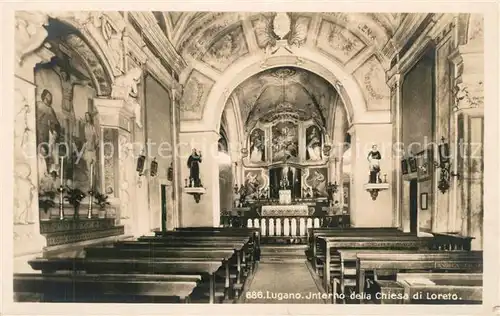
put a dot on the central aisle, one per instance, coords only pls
(283, 283)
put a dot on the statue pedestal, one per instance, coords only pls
(195, 192)
(374, 188)
(285, 197)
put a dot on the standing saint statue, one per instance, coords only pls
(374, 158)
(194, 169)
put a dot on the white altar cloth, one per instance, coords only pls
(285, 210)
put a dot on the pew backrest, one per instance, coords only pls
(150, 266)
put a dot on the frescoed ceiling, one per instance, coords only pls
(274, 91)
(361, 43)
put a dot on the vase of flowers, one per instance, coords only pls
(101, 200)
(74, 197)
(45, 203)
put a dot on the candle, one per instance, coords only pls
(62, 170)
(91, 174)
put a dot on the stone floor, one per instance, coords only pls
(283, 283)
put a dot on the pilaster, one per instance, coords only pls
(30, 35)
(117, 123)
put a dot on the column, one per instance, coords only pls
(207, 211)
(444, 127)
(467, 207)
(118, 163)
(366, 212)
(27, 239)
(397, 183)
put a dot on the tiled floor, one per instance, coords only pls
(283, 283)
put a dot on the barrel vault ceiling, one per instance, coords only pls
(211, 41)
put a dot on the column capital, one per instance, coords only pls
(395, 80)
(114, 113)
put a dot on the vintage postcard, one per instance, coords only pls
(261, 158)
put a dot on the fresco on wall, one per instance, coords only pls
(314, 143)
(253, 182)
(317, 180)
(285, 142)
(67, 127)
(257, 146)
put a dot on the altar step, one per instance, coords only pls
(283, 253)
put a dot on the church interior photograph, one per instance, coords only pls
(248, 157)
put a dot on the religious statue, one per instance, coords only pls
(125, 88)
(91, 145)
(243, 194)
(374, 158)
(330, 190)
(194, 169)
(313, 145)
(257, 146)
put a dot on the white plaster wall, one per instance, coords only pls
(366, 212)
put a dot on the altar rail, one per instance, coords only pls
(285, 229)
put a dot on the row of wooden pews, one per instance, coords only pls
(361, 264)
(186, 265)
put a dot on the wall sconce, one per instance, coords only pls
(445, 166)
(140, 164)
(170, 173)
(154, 168)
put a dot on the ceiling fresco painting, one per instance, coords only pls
(358, 42)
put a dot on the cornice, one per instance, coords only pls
(137, 49)
(154, 33)
(438, 24)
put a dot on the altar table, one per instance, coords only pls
(285, 210)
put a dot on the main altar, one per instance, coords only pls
(285, 210)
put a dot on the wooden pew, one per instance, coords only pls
(193, 266)
(254, 232)
(446, 286)
(169, 252)
(314, 233)
(331, 244)
(105, 287)
(469, 261)
(240, 244)
(252, 247)
(348, 260)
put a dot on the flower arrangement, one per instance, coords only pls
(101, 200)
(74, 197)
(46, 200)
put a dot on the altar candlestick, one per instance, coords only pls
(91, 174)
(89, 212)
(62, 170)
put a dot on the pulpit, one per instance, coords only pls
(285, 196)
